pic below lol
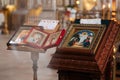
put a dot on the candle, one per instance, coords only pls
(103, 11)
(109, 10)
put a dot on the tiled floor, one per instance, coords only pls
(17, 65)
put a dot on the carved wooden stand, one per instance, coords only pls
(76, 65)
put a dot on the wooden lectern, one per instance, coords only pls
(89, 62)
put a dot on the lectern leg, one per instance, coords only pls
(34, 57)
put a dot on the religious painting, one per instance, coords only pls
(55, 38)
(19, 36)
(36, 38)
(84, 37)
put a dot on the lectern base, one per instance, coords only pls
(74, 75)
(70, 75)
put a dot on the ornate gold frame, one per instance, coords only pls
(98, 31)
